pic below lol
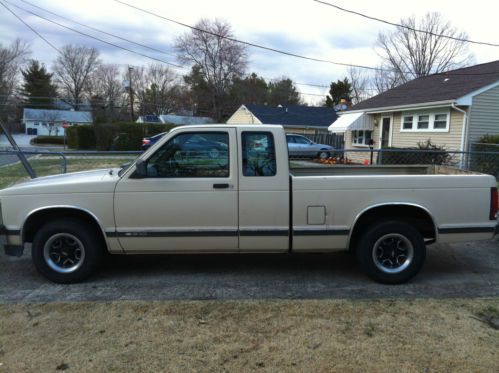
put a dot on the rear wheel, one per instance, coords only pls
(67, 251)
(391, 252)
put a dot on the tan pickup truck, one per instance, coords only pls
(229, 189)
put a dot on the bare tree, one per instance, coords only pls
(361, 84)
(74, 67)
(107, 91)
(12, 59)
(158, 90)
(384, 79)
(220, 60)
(411, 54)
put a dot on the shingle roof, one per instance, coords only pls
(294, 115)
(185, 120)
(58, 115)
(437, 87)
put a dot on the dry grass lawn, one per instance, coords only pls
(237, 336)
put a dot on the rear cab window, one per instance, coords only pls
(258, 154)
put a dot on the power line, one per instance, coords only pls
(405, 26)
(98, 30)
(280, 51)
(94, 37)
(31, 28)
(291, 54)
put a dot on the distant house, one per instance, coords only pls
(180, 120)
(294, 118)
(452, 109)
(50, 122)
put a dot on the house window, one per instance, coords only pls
(407, 125)
(440, 121)
(423, 122)
(36, 123)
(361, 137)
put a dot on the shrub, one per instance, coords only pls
(489, 139)
(485, 163)
(51, 140)
(425, 153)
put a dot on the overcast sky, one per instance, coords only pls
(299, 26)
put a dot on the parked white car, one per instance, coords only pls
(245, 200)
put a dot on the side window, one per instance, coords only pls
(192, 154)
(258, 154)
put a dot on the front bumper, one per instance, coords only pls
(7, 237)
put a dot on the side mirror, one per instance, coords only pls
(141, 168)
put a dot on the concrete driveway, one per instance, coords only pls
(458, 270)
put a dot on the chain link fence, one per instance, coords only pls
(483, 161)
(483, 158)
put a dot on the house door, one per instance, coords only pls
(384, 141)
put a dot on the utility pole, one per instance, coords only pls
(130, 92)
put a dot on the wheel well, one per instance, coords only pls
(37, 219)
(416, 216)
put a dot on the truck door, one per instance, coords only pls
(187, 201)
(263, 191)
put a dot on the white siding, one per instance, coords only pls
(484, 118)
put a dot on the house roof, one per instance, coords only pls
(184, 119)
(294, 115)
(447, 86)
(57, 115)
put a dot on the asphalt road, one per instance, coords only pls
(458, 270)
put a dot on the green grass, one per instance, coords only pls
(15, 173)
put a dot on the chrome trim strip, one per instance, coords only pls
(454, 230)
(321, 232)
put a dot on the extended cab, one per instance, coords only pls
(229, 189)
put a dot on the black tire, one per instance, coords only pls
(323, 155)
(384, 252)
(67, 236)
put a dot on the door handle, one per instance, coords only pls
(220, 186)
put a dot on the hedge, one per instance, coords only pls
(113, 136)
(51, 140)
(81, 137)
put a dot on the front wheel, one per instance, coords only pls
(391, 252)
(323, 155)
(66, 251)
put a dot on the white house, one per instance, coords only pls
(45, 122)
(179, 120)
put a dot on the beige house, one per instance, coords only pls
(294, 118)
(452, 109)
